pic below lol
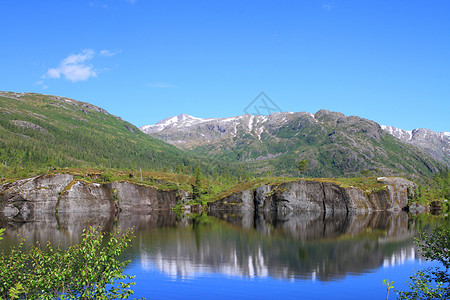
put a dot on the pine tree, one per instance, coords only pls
(196, 187)
(302, 166)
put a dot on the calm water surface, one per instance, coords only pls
(264, 256)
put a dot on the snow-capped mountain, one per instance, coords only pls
(186, 129)
(176, 121)
(333, 143)
(436, 144)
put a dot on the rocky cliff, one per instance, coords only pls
(25, 199)
(309, 195)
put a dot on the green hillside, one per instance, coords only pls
(353, 146)
(39, 132)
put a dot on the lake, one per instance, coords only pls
(263, 256)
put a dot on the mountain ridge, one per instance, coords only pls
(160, 125)
(330, 140)
(436, 144)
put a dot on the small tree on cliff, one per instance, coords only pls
(302, 166)
(240, 172)
(196, 187)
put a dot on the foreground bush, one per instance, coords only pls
(89, 270)
(432, 283)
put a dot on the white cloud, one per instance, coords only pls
(109, 53)
(74, 67)
(53, 73)
(78, 67)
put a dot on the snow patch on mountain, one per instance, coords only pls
(436, 144)
(398, 133)
(183, 120)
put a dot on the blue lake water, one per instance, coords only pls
(264, 256)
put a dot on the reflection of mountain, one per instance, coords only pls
(399, 258)
(295, 246)
(308, 245)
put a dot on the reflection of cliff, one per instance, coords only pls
(66, 228)
(307, 245)
(297, 246)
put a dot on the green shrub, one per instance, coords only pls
(89, 270)
(432, 283)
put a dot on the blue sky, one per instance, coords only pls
(388, 61)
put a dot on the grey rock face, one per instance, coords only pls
(25, 200)
(299, 196)
(396, 192)
(132, 197)
(242, 201)
(334, 198)
(83, 196)
(22, 198)
(264, 198)
(356, 200)
(315, 196)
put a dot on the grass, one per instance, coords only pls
(156, 179)
(363, 183)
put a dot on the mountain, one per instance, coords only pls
(436, 144)
(334, 144)
(183, 120)
(40, 131)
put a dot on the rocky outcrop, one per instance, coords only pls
(82, 196)
(25, 199)
(316, 196)
(242, 201)
(25, 124)
(395, 197)
(21, 199)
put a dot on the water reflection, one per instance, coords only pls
(289, 246)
